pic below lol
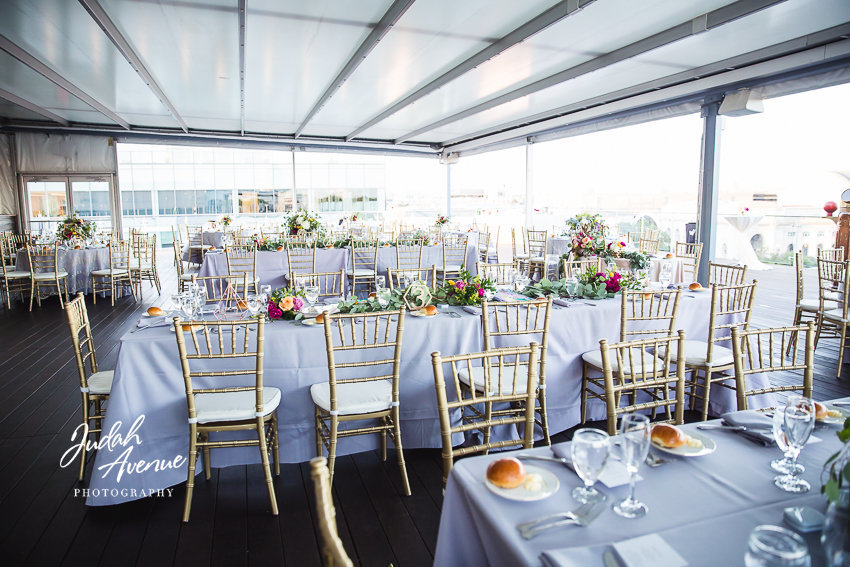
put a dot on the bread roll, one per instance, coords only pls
(669, 255)
(820, 411)
(695, 286)
(430, 309)
(506, 473)
(155, 311)
(320, 318)
(668, 436)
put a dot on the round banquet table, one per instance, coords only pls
(78, 263)
(209, 238)
(148, 382)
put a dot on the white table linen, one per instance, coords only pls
(78, 263)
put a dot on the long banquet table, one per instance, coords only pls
(148, 381)
(703, 507)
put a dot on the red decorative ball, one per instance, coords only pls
(830, 207)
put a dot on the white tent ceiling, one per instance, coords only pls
(423, 75)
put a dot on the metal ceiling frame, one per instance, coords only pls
(102, 19)
(243, 38)
(51, 75)
(694, 26)
(531, 27)
(765, 53)
(15, 99)
(387, 21)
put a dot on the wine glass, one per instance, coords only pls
(665, 275)
(189, 305)
(784, 465)
(298, 283)
(797, 425)
(773, 546)
(253, 304)
(572, 286)
(311, 294)
(633, 448)
(589, 451)
(380, 284)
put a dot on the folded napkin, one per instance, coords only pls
(161, 321)
(613, 475)
(761, 424)
(571, 557)
(647, 551)
(472, 309)
(562, 301)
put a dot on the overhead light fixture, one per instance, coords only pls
(741, 103)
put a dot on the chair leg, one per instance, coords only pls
(93, 291)
(264, 455)
(706, 393)
(841, 347)
(384, 433)
(584, 377)
(819, 328)
(332, 447)
(544, 419)
(275, 445)
(205, 437)
(488, 416)
(32, 293)
(792, 340)
(399, 452)
(112, 290)
(319, 450)
(190, 480)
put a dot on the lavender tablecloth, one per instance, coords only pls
(78, 263)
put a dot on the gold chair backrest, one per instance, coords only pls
(6, 255)
(510, 375)
(119, 256)
(644, 313)
(408, 253)
(242, 259)
(799, 264)
(395, 276)
(454, 250)
(364, 254)
(835, 254)
(227, 289)
(333, 552)
(536, 242)
(649, 241)
(43, 258)
(363, 347)
(517, 323)
(500, 274)
(731, 306)
(330, 284)
(575, 268)
(301, 255)
(178, 258)
(690, 254)
(725, 274)
(78, 324)
(833, 280)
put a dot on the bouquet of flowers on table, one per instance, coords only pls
(466, 290)
(600, 285)
(441, 220)
(225, 221)
(286, 303)
(75, 228)
(269, 244)
(301, 219)
(587, 235)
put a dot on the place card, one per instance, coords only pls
(648, 551)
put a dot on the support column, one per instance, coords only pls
(529, 183)
(449, 190)
(708, 186)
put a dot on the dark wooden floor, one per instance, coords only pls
(43, 522)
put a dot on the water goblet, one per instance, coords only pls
(189, 306)
(797, 425)
(773, 546)
(665, 275)
(633, 448)
(784, 465)
(380, 283)
(311, 294)
(253, 304)
(589, 451)
(265, 293)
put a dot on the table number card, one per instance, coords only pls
(648, 551)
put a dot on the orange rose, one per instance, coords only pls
(285, 303)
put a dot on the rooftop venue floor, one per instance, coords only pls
(42, 522)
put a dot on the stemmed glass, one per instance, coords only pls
(666, 274)
(253, 304)
(797, 425)
(572, 285)
(589, 451)
(784, 465)
(380, 284)
(189, 305)
(634, 446)
(311, 294)
(265, 293)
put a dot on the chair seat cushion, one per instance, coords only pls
(449, 268)
(650, 361)
(186, 277)
(355, 398)
(363, 272)
(505, 377)
(695, 354)
(142, 266)
(106, 272)
(538, 259)
(521, 256)
(50, 275)
(100, 382)
(814, 304)
(17, 274)
(234, 406)
(835, 315)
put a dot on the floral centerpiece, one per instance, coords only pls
(587, 235)
(75, 228)
(286, 303)
(302, 219)
(225, 221)
(466, 290)
(599, 285)
(353, 218)
(441, 220)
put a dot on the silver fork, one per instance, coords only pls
(581, 516)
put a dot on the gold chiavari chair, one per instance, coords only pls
(300, 257)
(805, 309)
(243, 260)
(45, 272)
(689, 253)
(834, 254)
(244, 240)
(224, 290)
(117, 275)
(143, 263)
(761, 351)
(731, 307)
(510, 376)
(514, 323)
(330, 284)
(455, 248)
(575, 268)
(13, 281)
(483, 246)
(649, 242)
(500, 273)
(520, 254)
(631, 367)
(236, 349)
(364, 264)
(493, 247)
(364, 390)
(396, 277)
(182, 278)
(642, 315)
(333, 552)
(537, 241)
(834, 286)
(408, 262)
(197, 248)
(95, 384)
(725, 274)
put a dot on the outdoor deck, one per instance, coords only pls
(43, 523)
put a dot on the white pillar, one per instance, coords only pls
(449, 190)
(529, 183)
(709, 185)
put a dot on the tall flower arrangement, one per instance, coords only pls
(302, 219)
(75, 227)
(466, 290)
(285, 303)
(225, 221)
(587, 234)
(441, 220)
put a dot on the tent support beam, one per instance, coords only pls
(708, 186)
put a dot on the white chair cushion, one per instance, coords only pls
(186, 277)
(695, 354)
(814, 304)
(449, 268)
(17, 274)
(594, 358)
(835, 315)
(50, 275)
(143, 266)
(521, 256)
(363, 272)
(234, 406)
(538, 259)
(504, 375)
(101, 382)
(106, 272)
(355, 398)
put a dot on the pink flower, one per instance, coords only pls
(297, 303)
(274, 311)
(585, 240)
(460, 285)
(480, 292)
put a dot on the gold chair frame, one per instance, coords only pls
(118, 275)
(333, 552)
(44, 271)
(13, 281)
(576, 267)
(455, 248)
(727, 274)
(690, 254)
(834, 297)
(242, 259)
(537, 242)
(330, 284)
(364, 266)
(143, 265)
(498, 272)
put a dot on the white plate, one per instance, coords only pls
(418, 314)
(550, 487)
(708, 447)
(835, 420)
(310, 322)
(171, 328)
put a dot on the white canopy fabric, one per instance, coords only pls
(429, 76)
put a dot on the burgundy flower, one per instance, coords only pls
(480, 292)
(460, 285)
(274, 311)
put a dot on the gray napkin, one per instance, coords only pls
(562, 301)
(762, 425)
(572, 557)
(472, 309)
(160, 321)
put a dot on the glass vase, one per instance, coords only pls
(835, 537)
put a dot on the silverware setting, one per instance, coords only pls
(583, 516)
(758, 428)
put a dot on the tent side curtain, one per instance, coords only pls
(64, 153)
(7, 177)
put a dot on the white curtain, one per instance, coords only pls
(7, 177)
(64, 153)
